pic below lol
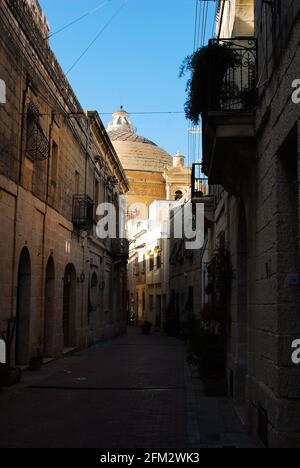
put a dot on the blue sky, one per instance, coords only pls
(135, 62)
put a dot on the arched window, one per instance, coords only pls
(93, 293)
(178, 195)
(94, 281)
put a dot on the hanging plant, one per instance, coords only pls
(208, 67)
(220, 275)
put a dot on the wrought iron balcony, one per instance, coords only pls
(201, 192)
(200, 187)
(83, 212)
(229, 140)
(237, 75)
(120, 248)
(37, 146)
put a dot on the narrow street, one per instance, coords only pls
(133, 392)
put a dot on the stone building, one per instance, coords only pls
(156, 181)
(251, 138)
(187, 270)
(57, 164)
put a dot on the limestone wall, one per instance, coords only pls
(36, 198)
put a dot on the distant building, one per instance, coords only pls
(156, 182)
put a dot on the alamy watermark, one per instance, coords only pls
(2, 352)
(296, 93)
(181, 222)
(2, 92)
(296, 352)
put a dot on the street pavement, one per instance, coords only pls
(132, 392)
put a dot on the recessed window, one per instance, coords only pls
(158, 261)
(77, 182)
(178, 195)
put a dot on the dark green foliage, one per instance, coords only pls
(208, 67)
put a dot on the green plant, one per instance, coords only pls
(9, 375)
(208, 67)
(220, 275)
(206, 350)
(36, 361)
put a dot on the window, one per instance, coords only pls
(96, 196)
(158, 261)
(151, 303)
(144, 264)
(151, 263)
(77, 182)
(93, 295)
(94, 281)
(288, 211)
(178, 195)
(144, 301)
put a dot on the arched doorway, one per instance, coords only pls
(69, 306)
(49, 308)
(23, 309)
(93, 296)
(242, 312)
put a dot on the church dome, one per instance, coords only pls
(136, 152)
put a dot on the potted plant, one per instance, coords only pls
(207, 352)
(36, 362)
(146, 328)
(208, 67)
(9, 375)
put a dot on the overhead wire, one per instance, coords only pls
(196, 26)
(199, 24)
(85, 15)
(200, 33)
(97, 37)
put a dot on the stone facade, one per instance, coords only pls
(57, 163)
(257, 220)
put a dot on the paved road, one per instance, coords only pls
(133, 392)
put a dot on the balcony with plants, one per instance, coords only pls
(222, 93)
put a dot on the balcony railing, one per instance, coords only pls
(200, 187)
(83, 212)
(120, 248)
(37, 146)
(238, 91)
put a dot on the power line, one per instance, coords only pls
(196, 25)
(147, 113)
(97, 37)
(110, 113)
(199, 24)
(97, 8)
(205, 16)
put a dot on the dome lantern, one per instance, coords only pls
(121, 121)
(178, 160)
